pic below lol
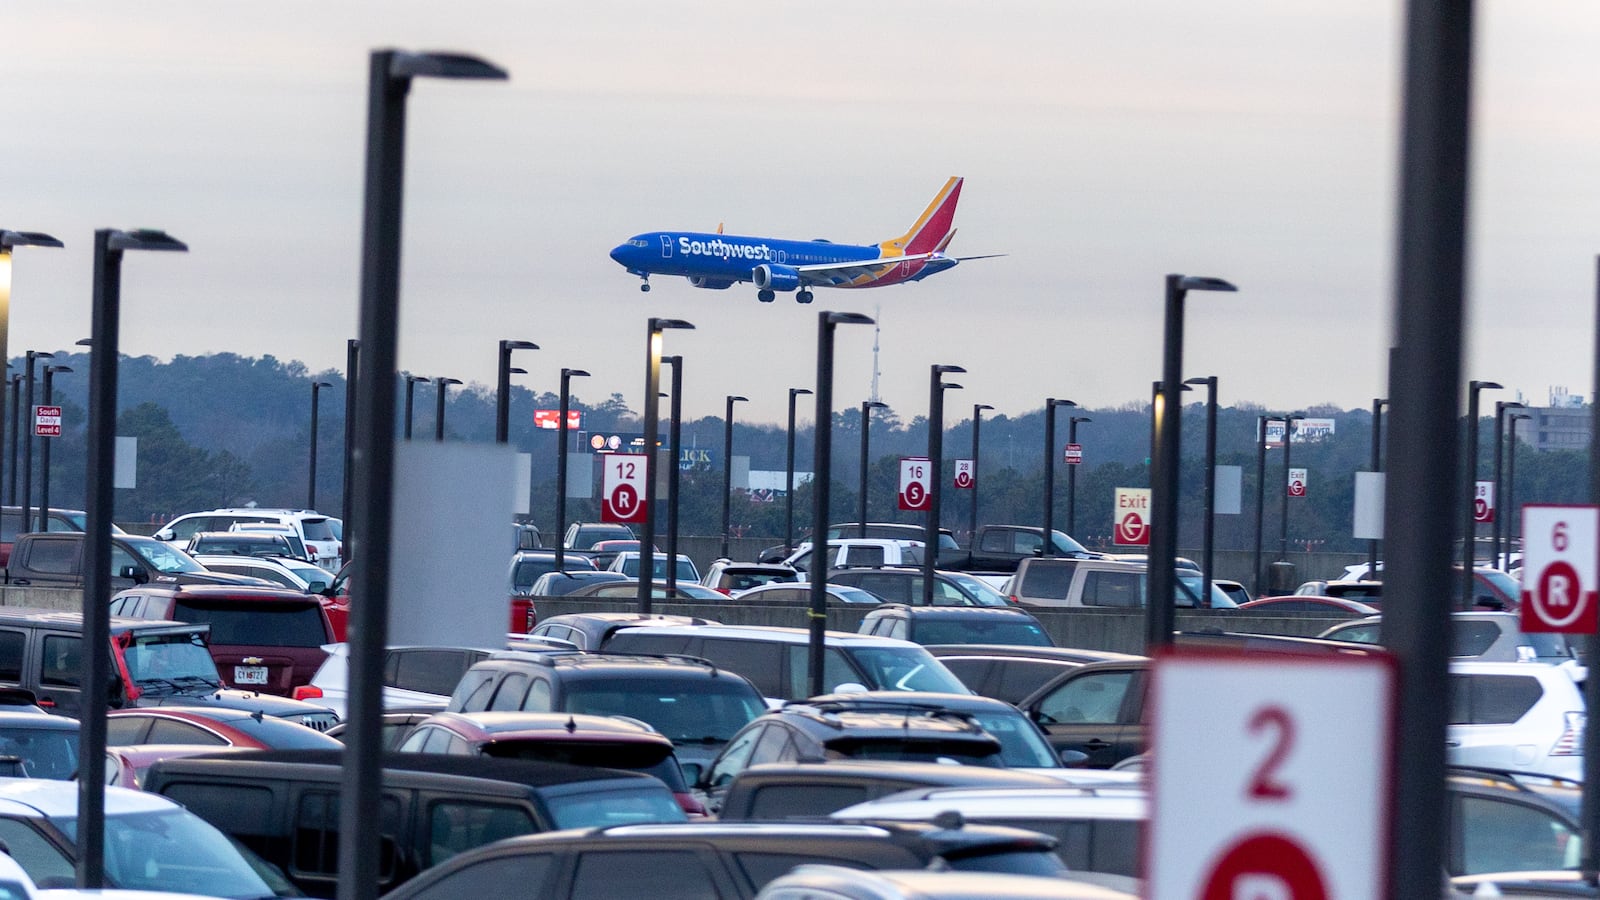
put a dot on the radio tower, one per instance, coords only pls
(877, 320)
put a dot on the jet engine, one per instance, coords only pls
(711, 284)
(769, 277)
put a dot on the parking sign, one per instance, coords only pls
(914, 476)
(1559, 580)
(623, 494)
(1483, 503)
(965, 477)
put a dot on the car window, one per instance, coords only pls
(1503, 836)
(473, 692)
(1094, 699)
(508, 697)
(455, 827)
(776, 745)
(871, 555)
(670, 874)
(761, 868)
(538, 699)
(735, 757)
(11, 647)
(45, 864)
(184, 529)
(1363, 633)
(697, 710)
(1112, 588)
(254, 624)
(1473, 637)
(903, 668)
(1492, 699)
(168, 731)
(790, 801)
(124, 730)
(429, 671)
(489, 878)
(318, 529)
(54, 557)
(892, 588)
(836, 670)
(417, 739)
(981, 631)
(996, 540)
(759, 661)
(1017, 678)
(63, 660)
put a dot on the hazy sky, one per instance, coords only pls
(1104, 144)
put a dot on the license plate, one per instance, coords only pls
(249, 674)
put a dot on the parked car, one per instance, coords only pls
(584, 535)
(211, 727)
(604, 553)
(800, 593)
(904, 585)
(526, 567)
(627, 562)
(1002, 548)
(734, 578)
(826, 882)
(435, 807)
(777, 791)
(1022, 744)
(560, 584)
(1484, 635)
(1104, 582)
(1235, 590)
(525, 536)
(1298, 603)
(589, 631)
(955, 625)
(43, 746)
(1492, 590)
(776, 659)
(1096, 710)
(414, 678)
(854, 553)
(55, 559)
(289, 532)
(696, 705)
(265, 639)
(1012, 672)
(611, 742)
(886, 530)
(157, 663)
(11, 525)
(152, 843)
(688, 590)
(730, 860)
(316, 530)
(240, 543)
(1526, 717)
(294, 574)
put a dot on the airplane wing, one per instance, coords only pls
(839, 273)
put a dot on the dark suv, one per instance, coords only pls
(955, 625)
(731, 860)
(263, 639)
(695, 704)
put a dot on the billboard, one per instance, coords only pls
(1304, 430)
(551, 419)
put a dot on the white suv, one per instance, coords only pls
(316, 530)
(1516, 716)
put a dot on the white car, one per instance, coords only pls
(627, 562)
(316, 530)
(859, 552)
(414, 678)
(1516, 716)
(290, 573)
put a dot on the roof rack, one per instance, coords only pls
(672, 657)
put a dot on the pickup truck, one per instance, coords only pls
(1001, 548)
(860, 552)
(55, 559)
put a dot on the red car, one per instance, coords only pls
(612, 742)
(211, 727)
(1309, 603)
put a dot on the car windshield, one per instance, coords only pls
(905, 669)
(853, 594)
(686, 710)
(627, 806)
(1021, 744)
(1066, 546)
(1191, 583)
(258, 624)
(1505, 584)
(171, 660)
(163, 557)
(44, 752)
(172, 850)
(980, 592)
(983, 629)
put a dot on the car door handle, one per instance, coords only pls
(1452, 743)
(1097, 744)
(19, 581)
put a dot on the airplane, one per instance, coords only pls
(717, 261)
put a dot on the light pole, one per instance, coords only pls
(1288, 441)
(867, 406)
(1072, 474)
(977, 425)
(1495, 527)
(16, 436)
(821, 489)
(727, 469)
(1047, 545)
(561, 464)
(27, 433)
(8, 240)
(352, 359)
(411, 388)
(502, 395)
(1162, 577)
(390, 74)
(788, 483)
(441, 385)
(1261, 496)
(1378, 403)
(1511, 480)
(44, 449)
(99, 509)
(674, 473)
(311, 478)
(652, 410)
(1469, 525)
(930, 542)
(1209, 531)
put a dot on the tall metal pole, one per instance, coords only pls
(1261, 496)
(1209, 531)
(1424, 394)
(1497, 527)
(561, 464)
(1072, 474)
(16, 437)
(44, 450)
(788, 482)
(27, 435)
(8, 240)
(390, 74)
(1047, 545)
(1283, 489)
(1469, 524)
(441, 385)
(352, 359)
(727, 475)
(867, 407)
(977, 425)
(674, 477)
(502, 393)
(652, 427)
(930, 542)
(1378, 404)
(821, 492)
(311, 466)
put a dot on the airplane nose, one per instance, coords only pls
(620, 254)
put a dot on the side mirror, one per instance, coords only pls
(138, 574)
(1074, 759)
(165, 534)
(317, 587)
(849, 687)
(693, 773)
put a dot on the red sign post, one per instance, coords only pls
(1131, 525)
(914, 490)
(622, 499)
(47, 421)
(1559, 577)
(965, 479)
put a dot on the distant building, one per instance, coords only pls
(1563, 425)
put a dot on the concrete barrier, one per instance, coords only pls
(1116, 630)
(64, 599)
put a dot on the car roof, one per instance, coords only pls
(894, 770)
(781, 635)
(1055, 654)
(955, 612)
(889, 700)
(532, 773)
(1113, 801)
(888, 723)
(73, 621)
(59, 799)
(933, 884)
(514, 724)
(244, 592)
(44, 720)
(602, 662)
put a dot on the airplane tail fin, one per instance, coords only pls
(933, 229)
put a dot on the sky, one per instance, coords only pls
(1104, 145)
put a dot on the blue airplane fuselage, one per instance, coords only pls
(727, 257)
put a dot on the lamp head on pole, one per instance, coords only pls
(518, 345)
(847, 318)
(574, 373)
(796, 392)
(1081, 419)
(9, 239)
(1051, 403)
(516, 370)
(144, 239)
(441, 382)
(874, 404)
(53, 370)
(1202, 283)
(979, 407)
(942, 370)
(405, 64)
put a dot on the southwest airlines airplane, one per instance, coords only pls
(718, 261)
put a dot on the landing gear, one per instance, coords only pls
(803, 296)
(645, 278)
(766, 296)
(645, 287)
